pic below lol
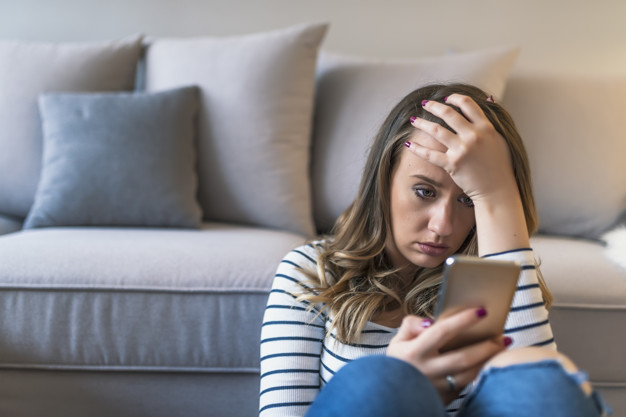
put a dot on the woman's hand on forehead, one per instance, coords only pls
(422, 138)
(476, 156)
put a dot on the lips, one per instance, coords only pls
(433, 249)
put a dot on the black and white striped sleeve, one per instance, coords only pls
(527, 323)
(291, 341)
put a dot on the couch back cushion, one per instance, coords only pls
(354, 95)
(574, 130)
(254, 121)
(28, 69)
(9, 225)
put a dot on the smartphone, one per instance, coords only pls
(470, 282)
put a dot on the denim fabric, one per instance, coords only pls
(375, 386)
(384, 386)
(529, 390)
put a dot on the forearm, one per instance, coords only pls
(500, 222)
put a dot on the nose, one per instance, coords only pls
(441, 216)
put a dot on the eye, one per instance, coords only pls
(424, 193)
(465, 200)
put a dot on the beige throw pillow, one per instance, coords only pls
(574, 131)
(254, 121)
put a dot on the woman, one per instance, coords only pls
(447, 174)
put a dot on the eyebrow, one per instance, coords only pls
(427, 179)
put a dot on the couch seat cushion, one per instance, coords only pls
(137, 299)
(9, 224)
(589, 309)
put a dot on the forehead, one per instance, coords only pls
(410, 164)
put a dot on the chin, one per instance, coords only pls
(427, 261)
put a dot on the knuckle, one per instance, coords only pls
(447, 111)
(463, 100)
(425, 153)
(434, 129)
(485, 126)
(410, 321)
(472, 137)
(466, 362)
(438, 332)
(452, 167)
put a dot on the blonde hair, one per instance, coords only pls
(361, 282)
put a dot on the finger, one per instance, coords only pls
(411, 327)
(470, 109)
(434, 132)
(435, 157)
(460, 360)
(461, 380)
(421, 137)
(464, 374)
(458, 121)
(446, 328)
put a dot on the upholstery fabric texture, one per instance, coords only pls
(586, 196)
(150, 300)
(28, 69)
(354, 95)
(118, 159)
(615, 241)
(589, 305)
(254, 123)
(9, 225)
(105, 394)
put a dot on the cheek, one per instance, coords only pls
(408, 220)
(405, 209)
(465, 224)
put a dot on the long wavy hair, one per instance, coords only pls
(354, 279)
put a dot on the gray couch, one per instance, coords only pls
(108, 319)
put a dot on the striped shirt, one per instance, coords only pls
(298, 357)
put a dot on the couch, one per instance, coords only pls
(135, 266)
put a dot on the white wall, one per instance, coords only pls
(559, 35)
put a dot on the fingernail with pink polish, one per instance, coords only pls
(407, 144)
(507, 341)
(426, 323)
(412, 119)
(445, 99)
(481, 312)
(424, 102)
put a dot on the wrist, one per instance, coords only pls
(505, 191)
(501, 222)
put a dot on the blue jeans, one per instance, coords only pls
(384, 386)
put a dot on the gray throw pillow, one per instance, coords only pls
(118, 159)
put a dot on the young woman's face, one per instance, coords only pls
(430, 215)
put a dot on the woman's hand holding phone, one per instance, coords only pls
(418, 342)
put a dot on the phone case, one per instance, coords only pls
(471, 282)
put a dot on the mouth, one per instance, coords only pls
(433, 249)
